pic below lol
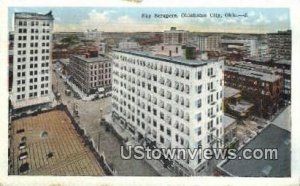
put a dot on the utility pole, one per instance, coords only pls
(98, 145)
(101, 115)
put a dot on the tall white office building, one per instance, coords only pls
(169, 101)
(32, 60)
(175, 37)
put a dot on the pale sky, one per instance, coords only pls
(259, 20)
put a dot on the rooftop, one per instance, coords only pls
(64, 61)
(229, 92)
(264, 76)
(271, 137)
(227, 121)
(242, 107)
(176, 60)
(283, 120)
(31, 102)
(47, 144)
(91, 59)
(283, 61)
(31, 15)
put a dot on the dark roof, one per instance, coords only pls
(271, 137)
(33, 15)
(91, 59)
(176, 60)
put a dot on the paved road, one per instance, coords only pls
(89, 115)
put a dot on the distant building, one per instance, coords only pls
(213, 42)
(263, 51)
(58, 36)
(262, 87)
(128, 45)
(280, 44)
(153, 40)
(285, 65)
(58, 53)
(271, 137)
(282, 66)
(170, 102)
(32, 59)
(90, 72)
(65, 52)
(170, 50)
(202, 43)
(93, 34)
(247, 47)
(175, 37)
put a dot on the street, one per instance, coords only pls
(89, 117)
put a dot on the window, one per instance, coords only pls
(154, 112)
(154, 123)
(199, 75)
(162, 128)
(199, 132)
(210, 86)
(199, 89)
(199, 103)
(168, 132)
(198, 116)
(210, 72)
(162, 140)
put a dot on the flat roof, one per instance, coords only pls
(227, 121)
(176, 60)
(51, 147)
(253, 73)
(31, 102)
(284, 120)
(271, 137)
(33, 15)
(65, 61)
(91, 59)
(229, 91)
(283, 61)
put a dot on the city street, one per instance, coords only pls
(89, 117)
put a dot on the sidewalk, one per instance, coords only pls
(155, 164)
(82, 95)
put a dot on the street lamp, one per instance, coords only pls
(101, 115)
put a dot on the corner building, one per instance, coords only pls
(32, 60)
(172, 102)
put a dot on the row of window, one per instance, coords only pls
(32, 58)
(33, 23)
(32, 87)
(163, 129)
(22, 67)
(36, 44)
(33, 31)
(101, 65)
(100, 77)
(32, 94)
(37, 37)
(161, 67)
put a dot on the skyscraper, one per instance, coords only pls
(32, 60)
(173, 102)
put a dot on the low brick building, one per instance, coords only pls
(90, 72)
(262, 87)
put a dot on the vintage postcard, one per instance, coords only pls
(149, 92)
